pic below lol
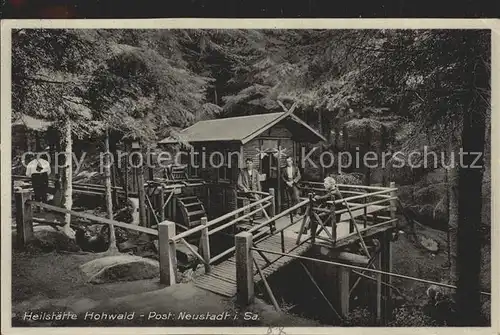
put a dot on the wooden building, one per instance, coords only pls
(265, 138)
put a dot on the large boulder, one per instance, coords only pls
(48, 238)
(120, 268)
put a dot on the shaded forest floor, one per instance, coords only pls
(53, 282)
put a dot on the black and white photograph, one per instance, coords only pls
(241, 176)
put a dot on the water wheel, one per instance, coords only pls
(191, 209)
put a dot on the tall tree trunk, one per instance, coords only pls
(141, 191)
(452, 196)
(470, 180)
(109, 195)
(367, 147)
(67, 178)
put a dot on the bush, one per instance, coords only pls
(411, 316)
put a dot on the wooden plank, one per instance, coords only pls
(225, 276)
(209, 280)
(220, 282)
(230, 280)
(97, 219)
(217, 290)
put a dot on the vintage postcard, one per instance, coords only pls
(249, 176)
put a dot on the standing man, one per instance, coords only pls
(248, 179)
(291, 176)
(39, 169)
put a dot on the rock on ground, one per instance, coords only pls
(48, 238)
(120, 268)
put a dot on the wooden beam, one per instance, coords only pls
(268, 288)
(343, 285)
(320, 291)
(183, 241)
(97, 218)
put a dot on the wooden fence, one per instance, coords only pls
(266, 205)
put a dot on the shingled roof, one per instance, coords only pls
(241, 129)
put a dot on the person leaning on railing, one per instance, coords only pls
(249, 183)
(248, 180)
(332, 192)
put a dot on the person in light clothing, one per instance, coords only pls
(332, 193)
(39, 170)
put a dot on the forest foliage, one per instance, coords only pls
(146, 83)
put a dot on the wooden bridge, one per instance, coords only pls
(360, 219)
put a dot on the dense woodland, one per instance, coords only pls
(381, 90)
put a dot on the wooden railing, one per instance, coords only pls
(24, 226)
(266, 205)
(247, 243)
(168, 238)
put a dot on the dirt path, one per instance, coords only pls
(53, 282)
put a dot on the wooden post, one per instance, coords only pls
(244, 268)
(320, 128)
(167, 253)
(151, 175)
(279, 182)
(272, 208)
(113, 184)
(387, 256)
(174, 207)
(386, 266)
(161, 203)
(394, 201)
(378, 277)
(334, 220)
(205, 244)
(127, 186)
(207, 194)
(235, 195)
(365, 213)
(312, 220)
(141, 192)
(343, 285)
(24, 217)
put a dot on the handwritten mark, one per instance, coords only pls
(276, 331)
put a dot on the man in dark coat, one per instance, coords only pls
(290, 175)
(248, 179)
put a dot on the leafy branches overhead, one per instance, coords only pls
(146, 82)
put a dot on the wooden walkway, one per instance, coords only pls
(222, 278)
